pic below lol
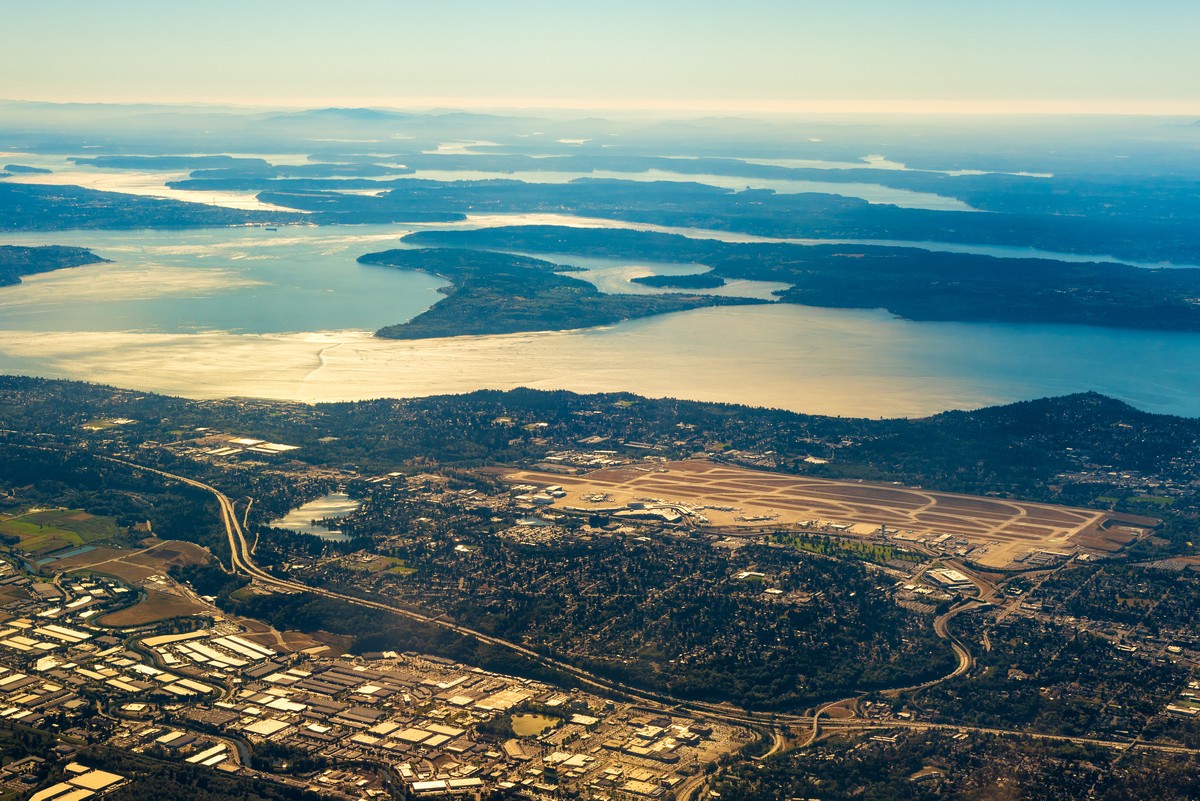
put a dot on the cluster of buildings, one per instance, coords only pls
(213, 696)
(949, 544)
(49, 651)
(80, 784)
(578, 461)
(1187, 705)
(224, 445)
(431, 722)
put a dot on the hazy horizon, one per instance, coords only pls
(767, 56)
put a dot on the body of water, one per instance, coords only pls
(999, 251)
(151, 183)
(615, 276)
(303, 519)
(872, 193)
(247, 280)
(287, 314)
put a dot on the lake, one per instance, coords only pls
(288, 315)
(302, 520)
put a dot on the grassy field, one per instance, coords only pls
(1153, 500)
(834, 546)
(51, 530)
(156, 606)
(380, 564)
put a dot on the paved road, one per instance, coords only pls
(765, 723)
(861, 725)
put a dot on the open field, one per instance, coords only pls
(157, 605)
(733, 497)
(50, 530)
(156, 558)
(145, 568)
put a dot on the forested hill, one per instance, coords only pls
(18, 261)
(497, 293)
(910, 282)
(36, 207)
(1072, 449)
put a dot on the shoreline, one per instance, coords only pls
(844, 373)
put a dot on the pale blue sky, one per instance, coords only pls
(1071, 55)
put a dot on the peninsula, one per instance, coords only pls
(499, 293)
(909, 282)
(18, 261)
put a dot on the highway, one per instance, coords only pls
(242, 562)
(766, 724)
(866, 725)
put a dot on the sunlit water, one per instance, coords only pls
(288, 315)
(150, 183)
(304, 519)
(872, 193)
(999, 251)
(242, 280)
(154, 183)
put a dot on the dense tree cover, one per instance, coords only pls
(924, 767)
(666, 615)
(209, 579)
(913, 283)
(154, 780)
(23, 169)
(696, 281)
(1076, 194)
(254, 173)
(495, 293)
(1154, 598)
(33, 207)
(18, 742)
(81, 481)
(1148, 231)
(1023, 450)
(374, 631)
(1055, 679)
(18, 261)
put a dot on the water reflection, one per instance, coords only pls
(304, 519)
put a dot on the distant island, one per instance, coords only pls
(190, 162)
(907, 281)
(18, 261)
(16, 169)
(693, 281)
(1150, 235)
(37, 207)
(499, 293)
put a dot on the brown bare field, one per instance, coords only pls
(145, 568)
(136, 566)
(171, 553)
(1006, 529)
(128, 572)
(157, 605)
(99, 554)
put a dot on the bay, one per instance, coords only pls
(288, 315)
